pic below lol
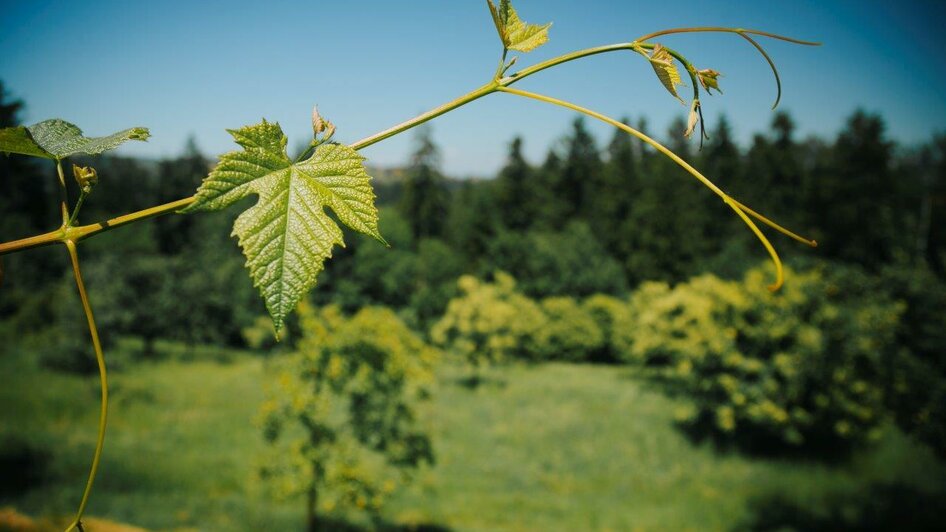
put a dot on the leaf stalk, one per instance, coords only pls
(103, 378)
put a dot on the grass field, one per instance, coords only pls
(551, 447)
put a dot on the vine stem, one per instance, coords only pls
(720, 29)
(103, 377)
(75, 212)
(63, 194)
(745, 34)
(78, 233)
(733, 204)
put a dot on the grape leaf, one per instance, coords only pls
(287, 235)
(57, 139)
(516, 34)
(663, 65)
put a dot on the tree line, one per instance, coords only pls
(591, 218)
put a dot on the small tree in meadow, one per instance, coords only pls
(341, 421)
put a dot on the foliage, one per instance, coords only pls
(570, 333)
(424, 199)
(494, 322)
(614, 320)
(490, 322)
(666, 71)
(287, 235)
(800, 367)
(917, 375)
(342, 418)
(57, 139)
(513, 32)
(416, 279)
(550, 263)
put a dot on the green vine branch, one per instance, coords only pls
(81, 232)
(103, 377)
(739, 208)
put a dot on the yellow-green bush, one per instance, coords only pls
(800, 366)
(570, 333)
(490, 322)
(613, 317)
(341, 418)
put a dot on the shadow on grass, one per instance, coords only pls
(882, 507)
(761, 444)
(23, 465)
(477, 381)
(332, 524)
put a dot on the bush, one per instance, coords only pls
(801, 367)
(490, 322)
(613, 318)
(570, 333)
(917, 394)
(342, 419)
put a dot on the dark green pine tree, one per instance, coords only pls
(580, 175)
(178, 178)
(720, 159)
(775, 178)
(933, 209)
(425, 198)
(515, 190)
(614, 200)
(470, 226)
(549, 207)
(27, 206)
(854, 196)
(28, 196)
(670, 233)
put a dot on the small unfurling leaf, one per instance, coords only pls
(514, 33)
(57, 139)
(708, 79)
(321, 125)
(287, 235)
(692, 119)
(86, 177)
(664, 67)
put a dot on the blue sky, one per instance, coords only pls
(184, 68)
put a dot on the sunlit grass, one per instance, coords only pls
(551, 447)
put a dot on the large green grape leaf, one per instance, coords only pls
(57, 139)
(516, 34)
(287, 235)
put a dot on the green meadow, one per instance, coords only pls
(544, 447)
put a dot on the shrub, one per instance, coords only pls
(917, 394)
(570, 333)
(490, 322)
(800, 367)
(342, 419)
(613, 318)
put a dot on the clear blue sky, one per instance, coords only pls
(185, 68)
